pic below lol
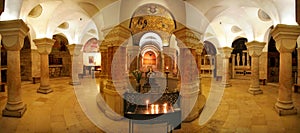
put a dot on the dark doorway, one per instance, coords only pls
(273, 62)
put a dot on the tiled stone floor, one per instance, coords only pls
(60, 111)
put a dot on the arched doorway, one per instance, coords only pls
(240, 61)
(273, 62)
(149, 59)
(25, 60)
(208, 60)
(59, 58)
(91, 56)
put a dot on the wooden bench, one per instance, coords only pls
(2, 87)
(36, 79)
(263, 81)
(296, 86)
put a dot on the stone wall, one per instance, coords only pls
(36, 63)
(65, 70)
(263, 65)
(25, 62)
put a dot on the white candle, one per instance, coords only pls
(152, 108)
(147, 102)
(165, 107)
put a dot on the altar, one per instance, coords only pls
(153, 108)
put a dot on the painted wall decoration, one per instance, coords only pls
(91, 46)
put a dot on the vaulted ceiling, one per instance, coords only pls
(219, 21)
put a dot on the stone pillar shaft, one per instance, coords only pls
(44, 71)
(225, 79)
(14, 102)
(233, 65)
(285, 77)
(74, 51)
(255, 72)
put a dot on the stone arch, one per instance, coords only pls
(208, 59)
(152, 18)
(60, 59)
(154, 10)
(151, 37)
(91, 55)
(239, 48)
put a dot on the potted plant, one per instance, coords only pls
(138, 76)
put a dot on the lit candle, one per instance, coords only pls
(152, 108)
(165, 107)
(147, 102)
(147, 112)
(156, 108)
(167, 67)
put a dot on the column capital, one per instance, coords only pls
(199, 48)
(285, 37)
(13, 34)
(187, 38)
(255, 48)
(74, 49)
(44, 45)
(225, 52)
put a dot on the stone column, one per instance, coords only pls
(169, 55)
(238, 59)
(226, 53)
(199, 51)
(74, 52)
(104, 57)
(285, 37)
(44, 46)
(132, 53)
(255, 49)
(13, 33)
(233, 65)
(248, 59)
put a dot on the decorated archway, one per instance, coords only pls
(150, 29)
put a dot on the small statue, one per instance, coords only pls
(148, 74)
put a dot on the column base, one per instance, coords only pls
(255, 91)
(226, 85)
(285, 108)
(14, 113)
(44, 90)
(283, 112)
(74, 83)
